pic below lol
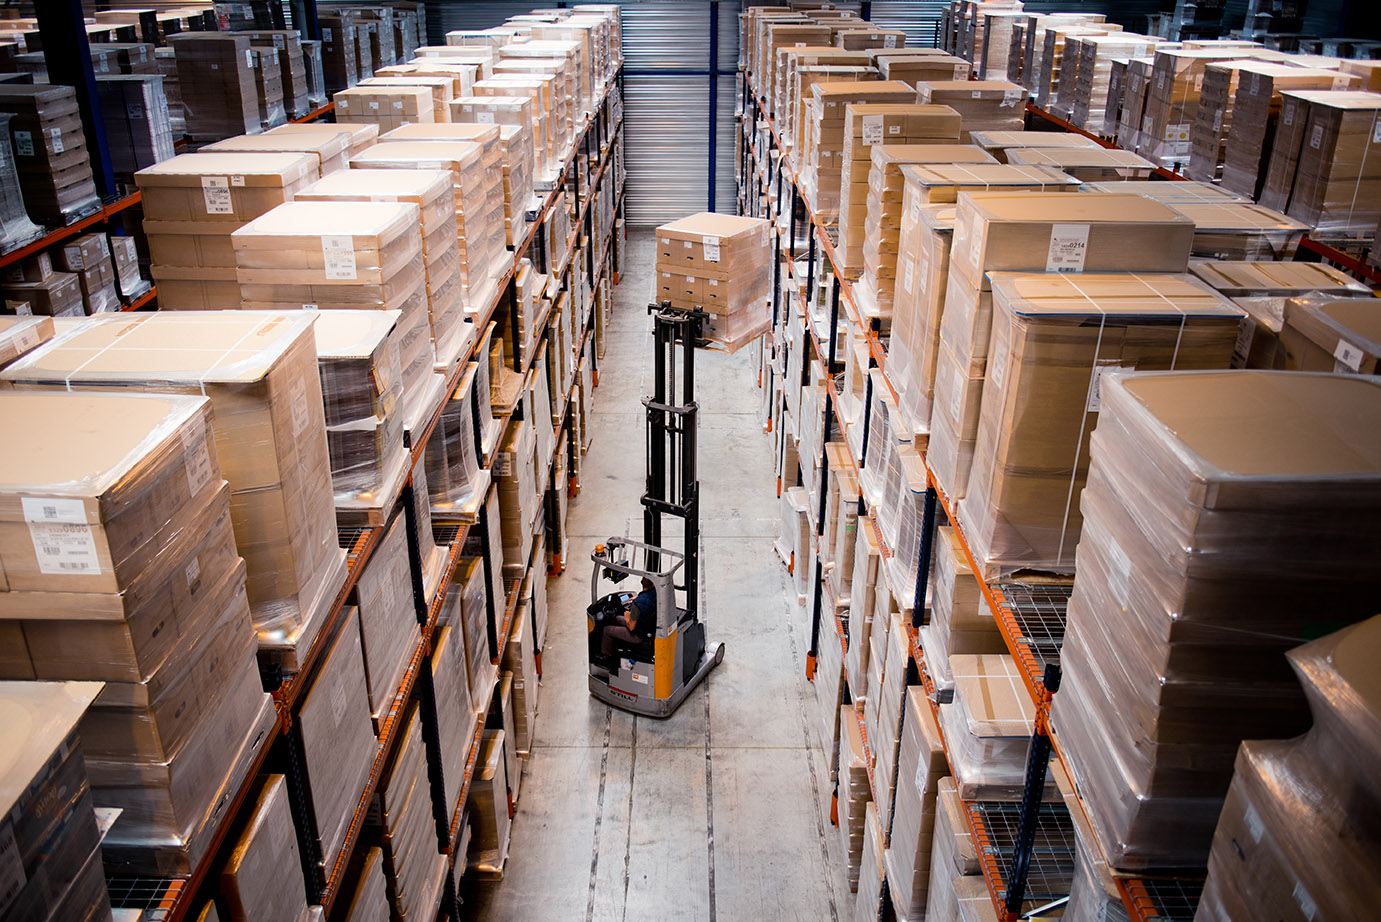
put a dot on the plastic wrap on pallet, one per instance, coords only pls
(53, 163)
(718, 264)
(1331, 335)
(488, 806)
(1199, 485)
(1022, 505)
(388, 619)
(260, 372)
(401, 820)
(15, 227)
(988, 727)
(953, 857)
(260, 879)
(455, 710)
(217, 73)
(452, 458)
(854, 794)
(368, 899)
(1288, 835)
(921, 766)
(983, 105)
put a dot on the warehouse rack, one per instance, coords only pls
(1021, 862)
(584, 170)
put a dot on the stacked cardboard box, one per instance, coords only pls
(1293, 805)
(125, 571)
(923, 251)
(515, 468)
(998, 143)
(520, 658)
(476, 178)
(16, 229)
(984, 105)
(217, 76)
(1319, 161)
(431, 191)
(954, 863)
(262, 879)
(134, 110)
(462, 76)
(991, 54)
(1029, 465)
(787, 92)
(541, 89)
(854, 794)
(1086, 164)
(1256, 111)
(1169, 193)
(1240, 231)
(292, 67)
(785, 33)
(50, 152)
(330, 149)
(960, 621)
(402, 822)
(488, 806)
(718, 264)
(1052, 71)
(519, 176)
(456, 712)
(387, 618)
(905, 67)
(363, 392)
(192, 204)
(32, 281)
(369, 899)
(1208, 134)
(454, 479)
(1034, 232)
(868, 127)
(935, 184)
(921, 765)
(1327, 334)
(872, 872)
(821, 156)
(988, 727)
(256, 368)
(1172, 102)
(441, 86)
(469, 591)
(268, 87)
(20, 335)
(1089, 100)
(1198, 491)
(387, 106)
(340, 61)
(125, 254)
(88, 257)
(50, 825)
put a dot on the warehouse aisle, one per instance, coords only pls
(722, 811)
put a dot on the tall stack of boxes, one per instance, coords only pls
(194, 202)
(717, 264)
(218, 84)
(822, 155)
(50, 152)
(134, 110)
(125, 571)
(984, 105)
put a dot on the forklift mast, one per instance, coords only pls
(673, 485)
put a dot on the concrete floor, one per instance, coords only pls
(720, 812)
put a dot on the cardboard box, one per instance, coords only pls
(997, 143)
(19, 335)
(269, 435)
(1322, 334)
(223, 188)
(331, 150)
(217, 81)
(58, 295)
(389, 630)
(259, 880)
(983, 105)
(1087, 164)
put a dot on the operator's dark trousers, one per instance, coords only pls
(615, 632)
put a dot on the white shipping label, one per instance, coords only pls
(134, 112)
(997, 368)
(373, 104)
(1376, 132)
(24, 309)
(1011, 97)
(889, 41)
(65, 550)
(1095, 387)
(1316, 137)
(1068, 247)
(23, 144)
(193, 573)
(1348, 357)
(25, 340)
(908, 275)
(397, 104)
(1252, 820)
(484, 118)
(278, 42)
(301, 415)
(1340, 82)
(55, 134)
(198, 460)
(325, 35)
(49, 510)
(976, 94)
(338, 250)
(1160, 80)
(249, 59)
(216, 192)
(711, 245)
(12, 877)
(893, 129)
(215, 66)
(237, 180)
(1218, 120)
(872, 129)
(1289, 115)
(311, 307)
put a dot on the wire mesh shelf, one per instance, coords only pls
(1052, 853)
(1039, 610)
(154, 897)
(1163, 899)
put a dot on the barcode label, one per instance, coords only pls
(198, 460)
(711, 245)
(65, 549)
(48, 511)
(215, 190)
(338, 252)
(12, 878)
(23, 143)
(1347, 357)
(1068, 247)
(872, 130)
(301, 415)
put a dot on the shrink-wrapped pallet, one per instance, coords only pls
(1194, 579)
(718, 264)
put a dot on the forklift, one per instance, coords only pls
(654, 674)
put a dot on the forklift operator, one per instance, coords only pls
(638, 623)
